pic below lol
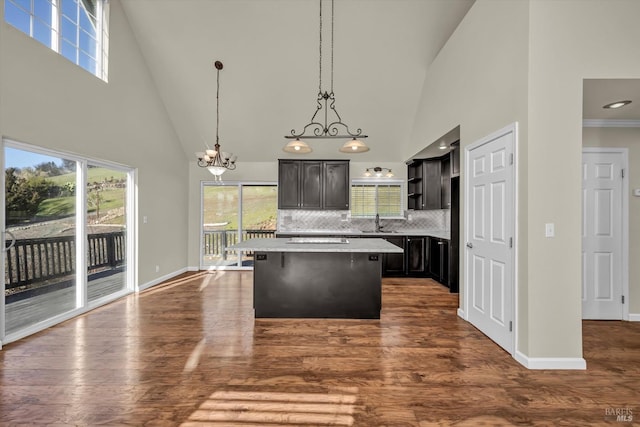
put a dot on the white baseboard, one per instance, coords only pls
(161, 279)
(192, 268)
(569, 363)
(461, 313)
(634, 317)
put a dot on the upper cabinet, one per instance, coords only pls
(414, 184)
(313, 184)
(429, 183)
(336, 184)
(432, 184)
(455, 159)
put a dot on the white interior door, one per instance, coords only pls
(490, 213)
(602, 234)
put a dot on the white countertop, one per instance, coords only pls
(283, 245)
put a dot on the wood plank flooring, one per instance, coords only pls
(189, 353)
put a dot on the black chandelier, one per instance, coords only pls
(331, 128)
(217, 161)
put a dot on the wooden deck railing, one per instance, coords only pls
(215, 242)
(32, 261)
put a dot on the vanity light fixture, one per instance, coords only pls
(216, 160)
(378, 172)
(617, 104)
(331, 127)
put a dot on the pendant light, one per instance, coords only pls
(216, 160)
(332, 126)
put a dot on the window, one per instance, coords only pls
(383, 198)
(76, 29)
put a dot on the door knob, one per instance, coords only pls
(470, 245)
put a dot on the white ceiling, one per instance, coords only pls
(270, 78)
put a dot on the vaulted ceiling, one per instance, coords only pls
(269, 84)
(269, 48)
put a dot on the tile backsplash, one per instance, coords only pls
(293, 220)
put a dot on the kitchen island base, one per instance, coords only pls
(317, 285)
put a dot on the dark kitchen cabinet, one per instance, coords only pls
(416, 256)
(414, 184)
(445, 183)
(439, 260)
(455, 159)
(432, 184)
(313, 184)
(412, 262)
(393, 265)
(429, 183)
(289, 172)
(336, 185)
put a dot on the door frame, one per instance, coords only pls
(513, 129)
(625, 220)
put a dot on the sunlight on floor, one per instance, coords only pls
(231, 407)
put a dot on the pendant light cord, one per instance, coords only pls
(332, 46)
(320, 56)
(217, 105)
(320, 47)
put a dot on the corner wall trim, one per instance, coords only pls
(557, 363)
(634, 317)
(161, 279)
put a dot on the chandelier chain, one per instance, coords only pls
(217, 105)
(320, 56)
(332, 15)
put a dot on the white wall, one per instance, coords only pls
(525, 61)
(625, 138)
(479, 81)
(569, 41)
(47, 101)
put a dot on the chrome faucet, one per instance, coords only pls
(378, 226)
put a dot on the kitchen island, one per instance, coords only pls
(317, 277)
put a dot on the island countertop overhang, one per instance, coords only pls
(281, 244)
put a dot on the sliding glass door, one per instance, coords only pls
(40, 223)
(106, 231)
(232, 212)
(66, 237)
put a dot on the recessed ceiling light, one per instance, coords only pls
(617, 104)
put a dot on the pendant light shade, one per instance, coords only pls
(298, 147)
(354, 146)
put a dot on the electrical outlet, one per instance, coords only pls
(157, 268)
(144, 219)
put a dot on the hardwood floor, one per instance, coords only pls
(189, 353)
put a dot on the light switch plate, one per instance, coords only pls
(636, 192)
(549, 230)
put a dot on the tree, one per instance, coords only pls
(24, 195)
(95, 198)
